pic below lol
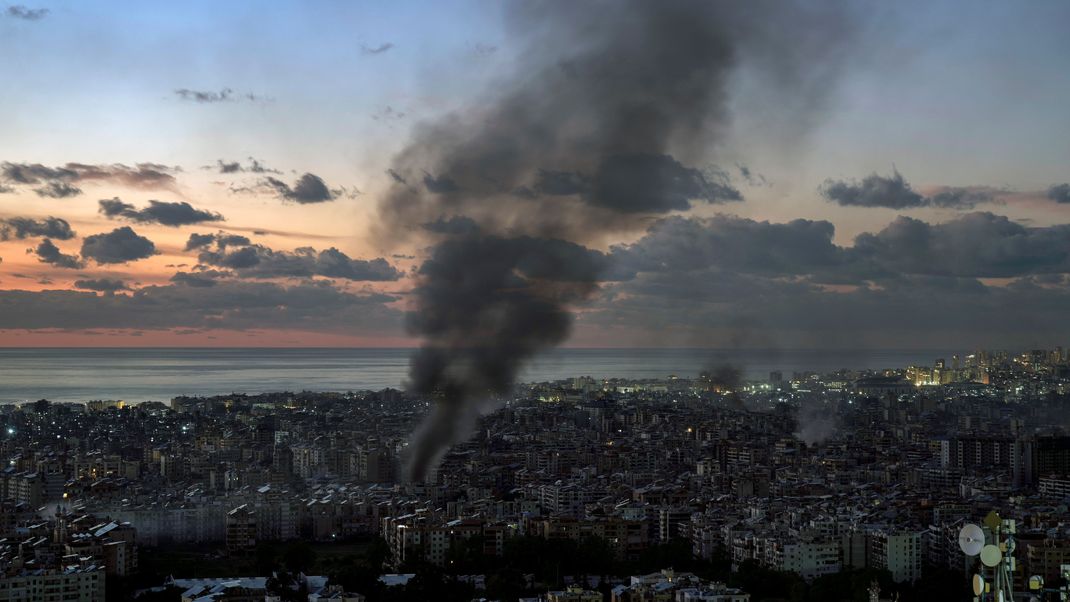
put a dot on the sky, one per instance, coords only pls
(292, 173)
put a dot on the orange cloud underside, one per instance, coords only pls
(187, 338)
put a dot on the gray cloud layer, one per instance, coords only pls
(229, 304)
(693, 278)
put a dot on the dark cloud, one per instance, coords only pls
(19, 11)
(34, 173)
(224, 95)
(158, 212)
(895, 193)
(380, 49)
(750, 176)
(975, 245)
(222, 239)
(693, 281)
(313, 307)
(1060, 193)
(121, 245)
(48, 252)
(101, 285)
(58, 190)
(309, 188)
(149, 176)
(874, 191)
(799, 247)
(230, 167)
(258, 261)
(197, 241)
(201, 279)
(59, 181)
(915, 312)
(25, 227)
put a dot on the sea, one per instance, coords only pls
(159, 374)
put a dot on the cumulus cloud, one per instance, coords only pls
(894, 192)
(158, 212)
(101, 285)
(199, 279)
(1060, 193)
(48, 252)
(19, 11)
(309, 188)
(981, 245)
(121, 245)
(973, 245)
(679, 244)
(222, 239)
(911, 282)
(26, 227)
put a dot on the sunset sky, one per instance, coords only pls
(908, 188)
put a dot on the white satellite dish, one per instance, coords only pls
(990, 555)
(971, 540)
(978, 585)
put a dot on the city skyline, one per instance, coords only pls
(198, 175)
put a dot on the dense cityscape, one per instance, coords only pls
(849, 485)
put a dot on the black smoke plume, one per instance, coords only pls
(612, 116)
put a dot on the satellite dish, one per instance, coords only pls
(990, 555)
(978, 585)
(1036, 582)
(971, 540)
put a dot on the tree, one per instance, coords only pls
(298, 557)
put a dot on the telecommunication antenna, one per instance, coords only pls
(994, 544)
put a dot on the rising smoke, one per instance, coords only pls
(612, 116)
(815, 423)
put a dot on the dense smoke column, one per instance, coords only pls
(482, 311)
(608, 120)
